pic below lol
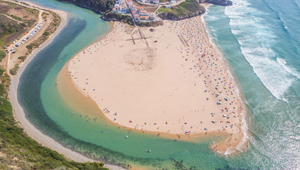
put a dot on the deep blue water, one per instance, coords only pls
(260, 41)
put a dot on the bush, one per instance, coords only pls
(2, 90)
(29, 47)
(23, 24)
(14, 70)
(16, 18)
(22, 58)
(2, 55)
(111, 16)
(144, 24)
(46, 33)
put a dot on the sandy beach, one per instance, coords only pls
(166, 79)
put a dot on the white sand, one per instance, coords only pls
(166, 87)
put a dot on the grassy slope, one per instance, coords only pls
(189, 7)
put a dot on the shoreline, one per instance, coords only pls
(243, 143)
(19, 113)
(222, 146)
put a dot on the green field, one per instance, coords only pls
(164, 9)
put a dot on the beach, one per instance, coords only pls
(166, 79)
(259, 47)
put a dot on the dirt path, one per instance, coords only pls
(7, 63)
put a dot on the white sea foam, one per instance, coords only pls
(236, 32)
(281, 61)
(271, 74)
(256, 39)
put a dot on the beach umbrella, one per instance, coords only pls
(205, 128)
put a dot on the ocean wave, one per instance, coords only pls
(256, 39)
(271, 74)
(236, 32)
(281, 61)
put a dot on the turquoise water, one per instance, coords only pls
(262, 47)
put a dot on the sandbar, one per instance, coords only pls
(167, 79)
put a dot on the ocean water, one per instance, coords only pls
(260, 41)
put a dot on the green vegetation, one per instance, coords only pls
(2, 55)
(164, 9)
(183, 10)
(49, 30)
(22, 58)
(96, 5)
(29, 47)
(10, 29)
(44, 15)
(33, 12)
(189, 6)
(111, 16)
(8, 26)
(16, 18)
(23, 24)
(19, 150)
(143, 24)
(46, 33)
(14, 70)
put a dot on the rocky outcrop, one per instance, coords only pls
(172, 16)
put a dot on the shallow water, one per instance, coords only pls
(262, 47)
